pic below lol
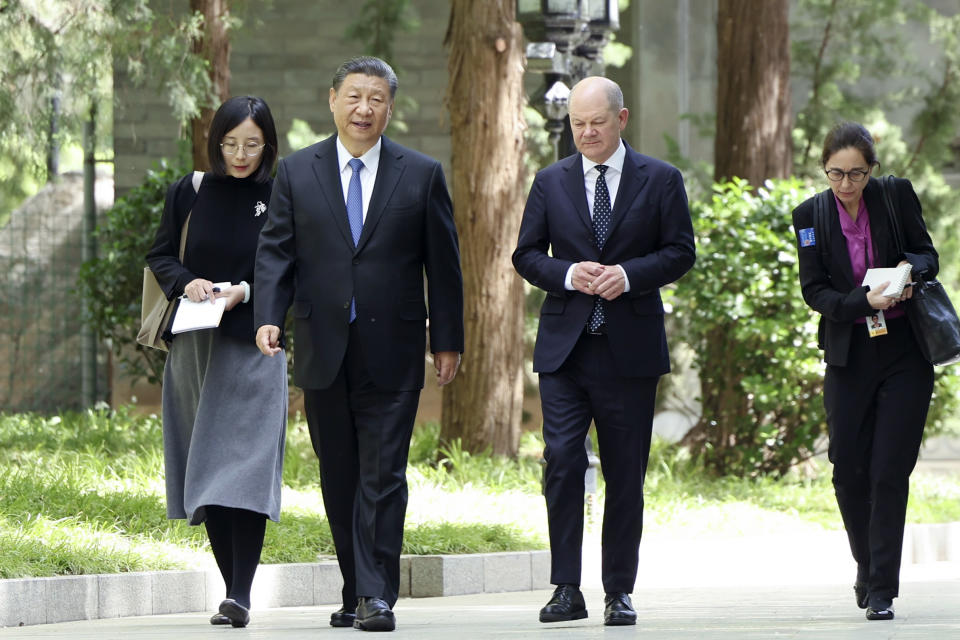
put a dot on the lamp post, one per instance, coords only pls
(565, 43)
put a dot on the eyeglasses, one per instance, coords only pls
(855, 175)
(250, 149)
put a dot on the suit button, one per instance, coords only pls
(373, 319)
(346, 305)
(356, 261)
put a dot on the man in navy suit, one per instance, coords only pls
(602, 231)
(354, 223)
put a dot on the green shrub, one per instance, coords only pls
(753, 337)
(111, 284)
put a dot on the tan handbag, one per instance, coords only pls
(156, 311)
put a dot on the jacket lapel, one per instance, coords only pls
(879, 223)
(632, 179)
(573, 185)
(327, 169)
(389, 171)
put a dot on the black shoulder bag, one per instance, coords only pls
(932, 316)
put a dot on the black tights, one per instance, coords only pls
(236, 537)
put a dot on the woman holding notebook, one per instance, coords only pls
(224, 404)
(877, 385)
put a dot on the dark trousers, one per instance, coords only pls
(361, 435)
(587, 387)
(876, 409)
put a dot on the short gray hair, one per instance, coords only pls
(369, 66)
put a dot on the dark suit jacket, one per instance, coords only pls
(306, 258)
(830, 289)
(650, 236)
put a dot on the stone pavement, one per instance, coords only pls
(929, 608)
(742, 605)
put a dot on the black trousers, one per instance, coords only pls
(587, 387)
(876, 409)
(361, 435)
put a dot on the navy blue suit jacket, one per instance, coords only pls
(651, 237)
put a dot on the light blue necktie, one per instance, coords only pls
(355, 214)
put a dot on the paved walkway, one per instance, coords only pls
(928, 608)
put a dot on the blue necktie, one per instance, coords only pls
(355, 214)
(601, 224)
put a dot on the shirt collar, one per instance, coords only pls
(847, 223)
(615, 161)
(371, 159)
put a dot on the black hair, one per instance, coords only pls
(368, 66)
(230, 114)
(849, 134)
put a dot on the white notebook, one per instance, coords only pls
(897, 276)
(199, 315)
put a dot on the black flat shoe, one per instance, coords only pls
(860, 592)
(343, 617)
(219, 618)
(373, 614)
(566, 604)
(238, 614)
(618, 610)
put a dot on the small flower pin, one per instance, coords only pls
(260, 208)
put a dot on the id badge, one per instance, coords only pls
(876, 325)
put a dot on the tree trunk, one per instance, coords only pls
(753, 91)
(214, 46)
(482, 406)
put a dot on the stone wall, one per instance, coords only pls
(286, 53)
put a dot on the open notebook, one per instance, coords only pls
(199, 315)
(897, 276)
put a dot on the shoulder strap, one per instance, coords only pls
(821, 228)
(889, 188)
(197, 179)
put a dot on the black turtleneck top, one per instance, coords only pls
(228, 214)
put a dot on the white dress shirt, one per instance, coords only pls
(368, 174)
(614, 166)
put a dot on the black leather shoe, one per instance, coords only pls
(860, 592)
(373, 614)
(880, 609)
(565, 604)
(219, 618)
(618, 610)
(238, 614)
(343, 617)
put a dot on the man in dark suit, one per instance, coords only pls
(602, 231)
(353, 224)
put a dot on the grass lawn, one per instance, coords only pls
(83, 493)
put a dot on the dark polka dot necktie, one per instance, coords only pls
(601, 225)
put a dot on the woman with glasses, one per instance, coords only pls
(224, 404)
(877, 386)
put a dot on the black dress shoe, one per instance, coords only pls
(238, 614)
(880, 609)
(373, 614)
(618, 610)
(860, 592)
(565, 604)
(219, 618)
(343, 617)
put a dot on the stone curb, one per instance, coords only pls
(29, 601)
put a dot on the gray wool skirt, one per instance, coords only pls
(224, 425)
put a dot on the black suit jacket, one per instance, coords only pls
(650, 236)
(830, 289)
(306, 258)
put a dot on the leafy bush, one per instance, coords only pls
(111, 283)
(754, 338)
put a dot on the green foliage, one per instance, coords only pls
(111, 284)
(377, 25)
(753, 338)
